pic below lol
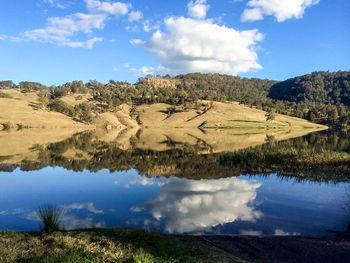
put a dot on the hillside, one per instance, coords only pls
(25, 110)
(218, 126)
(318, 87)
(320, 97)
(22, 109)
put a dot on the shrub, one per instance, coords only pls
(6, 126)
(61, 106)
(5, 95)
(51, 216)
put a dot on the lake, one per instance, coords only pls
(185, 188)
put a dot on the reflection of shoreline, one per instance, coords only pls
(25, 145)
(192, 206)
(180, 153)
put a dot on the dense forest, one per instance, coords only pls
(321, 97)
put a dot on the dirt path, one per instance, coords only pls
(279, 249)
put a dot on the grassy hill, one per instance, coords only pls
(221, 126)
(23, 109)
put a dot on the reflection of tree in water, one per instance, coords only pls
(182, 160)
(318, 157)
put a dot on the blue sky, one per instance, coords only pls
(56, 41)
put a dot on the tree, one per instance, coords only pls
(6, 84)
(270, 115)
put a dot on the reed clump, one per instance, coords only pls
(51, 217)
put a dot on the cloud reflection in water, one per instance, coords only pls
(192, 206)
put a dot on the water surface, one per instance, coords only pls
(175, 191)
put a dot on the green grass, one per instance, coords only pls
(106, 245)
(72, 256)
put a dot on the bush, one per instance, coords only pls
(60, 106)
(51, 216)
(5, 95)
(6, 126)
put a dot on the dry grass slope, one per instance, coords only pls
(223, 126)
(22, 109)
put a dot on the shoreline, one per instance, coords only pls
(275, 249)
(161, 247)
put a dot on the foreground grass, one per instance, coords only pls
(106, 245)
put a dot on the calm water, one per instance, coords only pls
(212, 198)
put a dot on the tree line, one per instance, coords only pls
(321, 97)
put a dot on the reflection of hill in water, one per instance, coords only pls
(192, 154)
(21, 145)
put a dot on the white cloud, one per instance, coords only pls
(192, 45)
(11, 38)
(198, 9)
(135, 16)
(58, 3)
(281, 9)
(192, 206)
(87, 44)
(148, 27)
(253, 14)
(113, 8)
(61, 6)
(59, 30)
(132, 28)
(143, 71)
(3, 213)
(137, 42)
(115, 69)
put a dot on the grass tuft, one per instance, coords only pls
(51, 216)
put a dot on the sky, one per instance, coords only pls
(57, 41)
